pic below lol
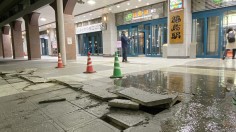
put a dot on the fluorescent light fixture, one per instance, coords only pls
(43, 19)
(91, 2)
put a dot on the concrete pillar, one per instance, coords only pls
(32, 36)
(65, 28)
(6, 41)
(181, 50)
(109, 36)
(1, 47)
(17, 42)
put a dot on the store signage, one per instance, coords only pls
(176, 27)
(91, 28)
(139, 15)
(175, 4)
(217, 1)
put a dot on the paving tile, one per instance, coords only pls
(99, 110)
(145, 98)
(126, 118)
(58, 108)
(122, 103)
(74, 119)
(98, 126)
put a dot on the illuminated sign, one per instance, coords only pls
(176, 25)
(139, 15)
(217, 1)
(91, 28)
(176, 4)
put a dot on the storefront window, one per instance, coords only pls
(198, 35)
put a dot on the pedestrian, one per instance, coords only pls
(231, 44)
(124, 41)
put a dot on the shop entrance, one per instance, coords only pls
(44, 46)
(90, 42)
(209, 31)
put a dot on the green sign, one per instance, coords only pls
(129, 17)
(217, 1)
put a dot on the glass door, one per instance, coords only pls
(148, 40)
(133, 45)
(206, 35)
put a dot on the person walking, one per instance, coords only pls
(231, 44)
(124, 42)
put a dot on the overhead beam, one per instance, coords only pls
(38, 4)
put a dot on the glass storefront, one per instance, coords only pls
(90, 42)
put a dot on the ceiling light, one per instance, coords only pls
(128, 3)
(136, 6)
(43, 19)
(84, 16)
(109, 9)
(147, 3)
(91, 2)
(118, 6)
(126, 9)
(90, 14)
(139, 0)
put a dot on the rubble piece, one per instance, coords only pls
(128, 118)
(121, 103)
(145, 98)
(52, 100)
(100, 92)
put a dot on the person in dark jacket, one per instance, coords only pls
(124, 42)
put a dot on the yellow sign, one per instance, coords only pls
(176, 27)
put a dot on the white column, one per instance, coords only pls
(61, 29)
(109, 36)
(182, 50)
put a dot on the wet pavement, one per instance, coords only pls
(205, 87)
(206, 101)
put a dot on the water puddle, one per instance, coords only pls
(206, 100)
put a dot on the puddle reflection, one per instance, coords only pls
(206, 100)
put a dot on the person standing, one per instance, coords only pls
(124, 42)
(231, 44)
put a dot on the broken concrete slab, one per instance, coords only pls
(121, 103)
(52, 100)
(98, 126)
(100, 92)
(27, 71)
(72, 84)
(86, 102)
(99, 110)
(128, 118)
(15, 80)
(145, 98)
(150, 127)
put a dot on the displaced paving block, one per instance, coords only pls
(121, 103)
(145, 98)
(34, 79)
(151, 127)
(98, 126)
(15, 80)
(126, 118)
(100, 92)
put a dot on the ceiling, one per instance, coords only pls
(84, 12)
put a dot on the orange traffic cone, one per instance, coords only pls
(89, 65)
(60, 64)
(229, 53)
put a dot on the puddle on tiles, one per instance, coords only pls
(206, 100)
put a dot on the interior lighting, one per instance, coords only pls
(126, 9)
(104, 18)
(43, 19)
(91, 2)
(128, 3)
(90, 14)
(147, 3)
(136, 6)
(118, 6)
(109, 9)
(139, 0)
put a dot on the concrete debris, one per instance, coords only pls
(52, 101)
(126, 104)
